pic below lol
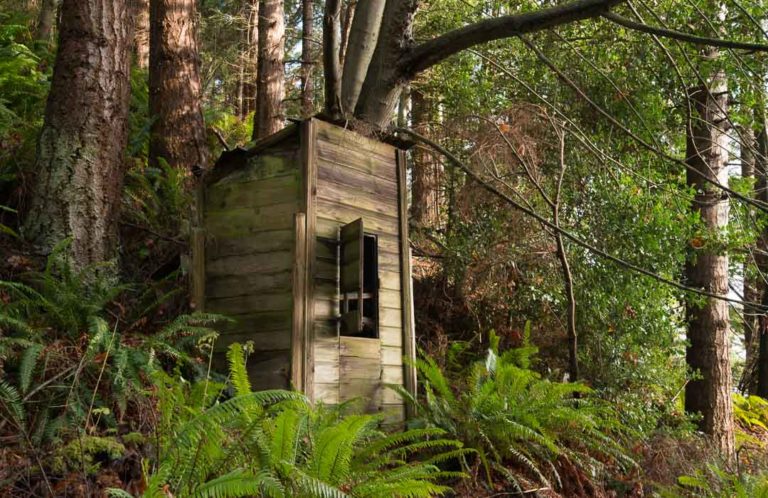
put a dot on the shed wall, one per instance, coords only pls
(249, 254)
(356, 177)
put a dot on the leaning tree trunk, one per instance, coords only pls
(79, 161)
(141, 37)
(707, 268)
(270, 89)
(178, 130)
(46, 19)
(425, 179)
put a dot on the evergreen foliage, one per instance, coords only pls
(512, 416)
(276, 444)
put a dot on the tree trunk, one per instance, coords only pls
(707, 268)
(249, 60)
(79, 161)
(761, 170)
(141, 38)
(178, 129)
(751, 284)
(270, 90)
(307, 59)
(46, 19)
(425, 179)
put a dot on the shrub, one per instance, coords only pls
(510, 415)
(275, 443)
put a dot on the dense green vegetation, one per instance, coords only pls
(108, 384)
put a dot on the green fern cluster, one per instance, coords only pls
(714, 482)
(276, 444)
(71, 368)
(519, 423)
(751, 411)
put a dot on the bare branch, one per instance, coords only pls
(567, 234)
(433, 51)
(686, 37)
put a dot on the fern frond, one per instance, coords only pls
(238, 374)
(27, 365)
(234, 484)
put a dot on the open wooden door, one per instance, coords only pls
(359, 357)
(352, 277)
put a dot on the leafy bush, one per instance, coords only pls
(510, 415)
(275, 443)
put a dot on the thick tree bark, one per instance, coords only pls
(359, 51)
(331, 58)
(425, 178)
(761, 170)
(270, 89)
(249, 61)
(307, 57)
(80, 151)
(46, 19)
(178, 130)
(396, 61)
(707, 268)
(141, 37)
(752, 287)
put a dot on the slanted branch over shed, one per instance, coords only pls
(306, 246)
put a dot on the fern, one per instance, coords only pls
(507, 414)
(237, 371)
(275, 443)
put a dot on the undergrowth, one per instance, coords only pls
(526, 430)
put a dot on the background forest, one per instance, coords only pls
(588, 215)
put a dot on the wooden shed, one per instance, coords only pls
(303, 239)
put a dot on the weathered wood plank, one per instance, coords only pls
(374, 222)
(390, 299)
(327, 393)
(337, 135)
(390, 397)
(367, 392)
(390, 317)
(360, 347)
(308, 155)
(299, 279)
(326, 372)
(269, 370)
(327, 349)
(255, 243)
(349, 196)
(389, 280)
(328, 229)
(392, 356)
(275, 340)
(409, 337)
(255, 193)
(391, 336)
(249, 283)
(359, 368)
(272, 262)
(340, 177)
(237, 222)
(240, 305)
(197, 269)
(256, 322)
(392, 374)
(268, 165)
